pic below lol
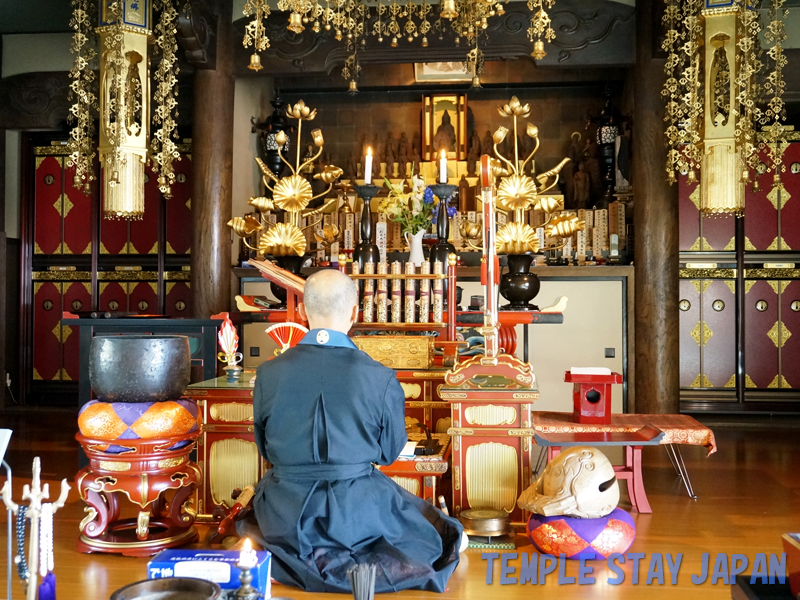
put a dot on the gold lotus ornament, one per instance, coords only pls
(470, 229)
(516, 192)
(262, 203)
(245, 226)
(283, 239)
(301, 112)
(548, 204)
(327, 235)
(329, 174)
(515, 109)
(564, 225)
(292, 193)
(499, 135)
(517, 238)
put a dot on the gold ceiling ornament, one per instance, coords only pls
(516, 238)
(83, 94)
(291, 193)
(124, 105)
(255, 33)
(540, 26)
(282, 239)
(163, 148)
(720, 87)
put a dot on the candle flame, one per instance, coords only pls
(369, 150)
(248, 547)
(442, 154)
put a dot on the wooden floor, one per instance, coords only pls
(749, 494)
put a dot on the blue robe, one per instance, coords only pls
(324, 413)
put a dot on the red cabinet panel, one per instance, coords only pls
(790, 201)
(77, 211)
(113, 236)
(113, 296)
(179, 299)
(689, 215)
(690, 326)
(48, 205)
(143, 297)
(179, 211)
(47, 308)
(718, 232)
(761, 215)
(719, 349)
(77, 296)
(761, 320)
(790, 333)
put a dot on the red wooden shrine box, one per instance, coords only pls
(591, 397)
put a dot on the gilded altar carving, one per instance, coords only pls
(232, 412)
(491, 476)
(490, 415)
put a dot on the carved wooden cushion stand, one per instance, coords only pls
(154, 475)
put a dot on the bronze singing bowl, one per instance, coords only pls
(171, 588)
(139, 368)
(485, 522)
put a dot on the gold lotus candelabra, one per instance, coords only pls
(291, 193)
(518, 192)
(719, 89)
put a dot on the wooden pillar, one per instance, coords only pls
(656, 232)
(212, 158)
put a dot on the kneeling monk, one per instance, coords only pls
(324, 413)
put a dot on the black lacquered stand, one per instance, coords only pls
(442, 249)
(366, 250)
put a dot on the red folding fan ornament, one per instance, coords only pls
(287, 335)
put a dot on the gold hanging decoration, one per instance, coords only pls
(163, 149)
(124, 106)
(255, 33)
(82, 92)
(540, 29)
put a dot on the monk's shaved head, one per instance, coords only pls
(329, 294)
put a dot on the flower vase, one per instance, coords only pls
(414, 241)
(519, 286)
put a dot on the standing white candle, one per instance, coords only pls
(443, 167)
(368, 167)
(248, 557)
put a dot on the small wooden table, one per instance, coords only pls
(419, 475)
(633, 431)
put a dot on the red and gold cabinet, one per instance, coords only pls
(178, 301)
(697, 234)
(492, 446)
(772, 320)
(708, 333)
(423, 400)
(772, 215)
(179, 208)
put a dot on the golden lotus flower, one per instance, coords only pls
(245, 226)
(470, 229)
(498, 170)
(516, 192)
(532, 130)
(301, 112)
(514, 109)
(292, 193)
(499, 135)
(317, 135)
(329, 174)
(564, 225)
(268, 174)
(543, 177)
(516, 238)
(262, 204)
(548, 204)
(282, 239)
(281, 138)
(329, 234)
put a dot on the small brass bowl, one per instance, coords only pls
(485, 522)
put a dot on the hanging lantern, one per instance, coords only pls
(124, 105)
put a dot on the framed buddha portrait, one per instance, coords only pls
(444, 126)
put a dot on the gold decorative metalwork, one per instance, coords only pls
(283, 239)
(779, 334)
(114, 465)
(701, 333)
(163, 148)
(491, 476)
(490, 415)
(707, 273)
(171, 463)
(255, 31)
(779, 382)
(701, 381)
(516, 238)
(411, 390)
(232, 412)
(772, 273)
(83, 94)
(233, 463)
(540, 26)
(431, 467)
(748, 382)
(701, 285)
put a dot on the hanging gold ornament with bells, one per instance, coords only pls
(291, 193)
(719, 89)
